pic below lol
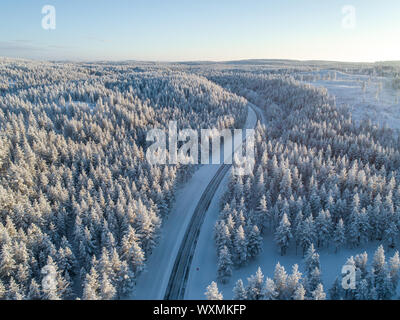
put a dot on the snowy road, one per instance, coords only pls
(177, 281)
(204, 264)
(179, 276)
(153, 283)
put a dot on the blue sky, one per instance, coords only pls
(182, 30)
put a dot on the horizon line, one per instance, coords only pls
(77, 60)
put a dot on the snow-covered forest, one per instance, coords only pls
(322, 179)
(379, 282)
(76, 192)
(82, 209)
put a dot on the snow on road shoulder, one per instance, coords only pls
(204, 264)
(152, 283)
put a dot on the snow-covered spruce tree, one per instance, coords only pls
(2, 291)
(311, 260)
(293, 284)
(283, 234)
(256, 287)
(318, 293)
(270, 292)
(254, 246)
(323, 225)
(224, 265)
(240, 246)
(212, 292)
(299, 293)
(339, 236)
(280, 280)
(312, 270)
(239, 291)
(336, 291)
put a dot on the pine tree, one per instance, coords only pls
(293, 281)
(213, 293)
(313, 280)
(7, 262)
(270, 292)
(2, 291)
(323, 225)
(336, 292)
(262, 216)
(255, 286)
(299, 293)
(224, 265)
(298, 228)
(311, 260)
(391, 232)
(308, 235)
(315, 202)
(353, 231)
(339, 236)
(91, 289)
(381, 276)
(131, 250)
(239, 291)
(136, 257)
(394, 268)
(283, 234)
(280, 280)
(240, 244)
(34, 291)
(254, 247)
(14, 291)
(362, 292)
(318, 293)
(107, 290)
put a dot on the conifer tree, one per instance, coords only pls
(283, 234)
(224, 265)
(239, 291)
(339, 236)
(255, 286)
(212, 292)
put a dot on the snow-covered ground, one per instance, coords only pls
(152, 283)
(367, 97)
(206, 261)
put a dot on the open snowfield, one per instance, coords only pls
(378, 101)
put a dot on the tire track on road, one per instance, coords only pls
(180, 272)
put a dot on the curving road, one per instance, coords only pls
(179, 275)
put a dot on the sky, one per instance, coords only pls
(217, 30)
